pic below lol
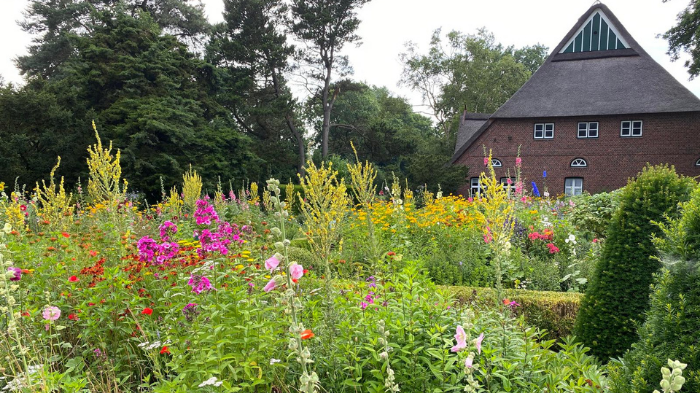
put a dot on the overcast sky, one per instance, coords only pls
(388, 24)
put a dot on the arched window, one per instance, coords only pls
(697, 163)
(496, 163)
(579, 163)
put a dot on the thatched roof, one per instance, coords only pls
(610, 82)
(469, 124)
(592, 83)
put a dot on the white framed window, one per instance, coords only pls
(630, 128)
(544, 130)
(508, 185)
(573, 186)
(697, 163)
(496, 163)
(587, 129)
(578, 163)
(475, 186)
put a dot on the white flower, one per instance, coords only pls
(210, 382)
(571, 239)
(273, 361)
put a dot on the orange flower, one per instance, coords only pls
(93, 253)
(307, 334)
(65, 234)
(506, 302)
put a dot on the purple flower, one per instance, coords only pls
(17, 271)
(205, 213)
(363, 305)
(166, 230)
(190, 311)
(147, 248)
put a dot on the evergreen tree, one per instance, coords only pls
(619, 292)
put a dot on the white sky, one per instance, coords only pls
(388, 24)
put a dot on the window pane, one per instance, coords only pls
(538, 134)
(593, 126)
(582, 133)
(549, 127)
(549, 134)
(593, 133)
(582, 126)
(539, 127)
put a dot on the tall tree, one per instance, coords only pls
(473, 73)
(54, 22)
(252, 47)
(685, 37)
(325, 26)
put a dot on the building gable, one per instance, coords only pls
(598, 33)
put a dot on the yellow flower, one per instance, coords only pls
(2, 186)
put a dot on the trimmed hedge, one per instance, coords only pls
(554, 312)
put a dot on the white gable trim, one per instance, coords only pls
(590, 18)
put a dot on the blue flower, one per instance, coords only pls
(544, 174)
(535, 191)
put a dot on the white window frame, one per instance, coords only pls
(546, 131)
(631, 128)
(573, 186)
(496, 163)
(579, 163)
(697, 163)
(504, 183)
(587, 130)
(475, 186)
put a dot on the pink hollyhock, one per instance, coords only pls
(296, 271)
(51, 313)
(272, 263)
(270, 285)
(486, 161)
(461, 338)
(478, 341)
(518, 161)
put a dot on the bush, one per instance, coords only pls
(554, 312)
(673, 319)
(618, 295)
(593, 213)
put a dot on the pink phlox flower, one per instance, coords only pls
(552, 248)
(461, 338)
(270, 285)
(478, 341)
(167, 229)
(363, 305)
(199, 284)
(147, 248)
(205, 213)
(51, 313)
(167, 251)
(271, 263)
(296, 271)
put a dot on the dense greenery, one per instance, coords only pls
(619, 292)
(673, 320)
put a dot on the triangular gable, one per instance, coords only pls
(597, 33)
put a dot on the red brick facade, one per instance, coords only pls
(672, 138)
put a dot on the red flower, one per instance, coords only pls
(65, 234)
(93, 253)
(22, 207)
(73, 279)
(165, 350)
(147, 311)
(25, 314)
(91, 304)
(506, 302)
(73, 317)
(391, 253)
(307, 334)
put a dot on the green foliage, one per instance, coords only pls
(553, 312)
(684, 37)
(593, 213)
(670, 330)
(462, 74)
(619, 292)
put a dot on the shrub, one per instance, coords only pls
(593, 213)
(673, 319)
(554, 312)
(618, 295)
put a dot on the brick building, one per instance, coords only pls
(592, 116)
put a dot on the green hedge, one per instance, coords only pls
(554, 312)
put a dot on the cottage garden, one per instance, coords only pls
(344, 285)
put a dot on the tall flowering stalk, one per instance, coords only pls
(309, 379)
(191, 188)
(55, 203)
(362, 178)
(323, 207)
(105, 175)
(497, 212)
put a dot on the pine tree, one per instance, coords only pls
(619, 293)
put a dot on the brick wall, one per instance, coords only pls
(612, 159)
